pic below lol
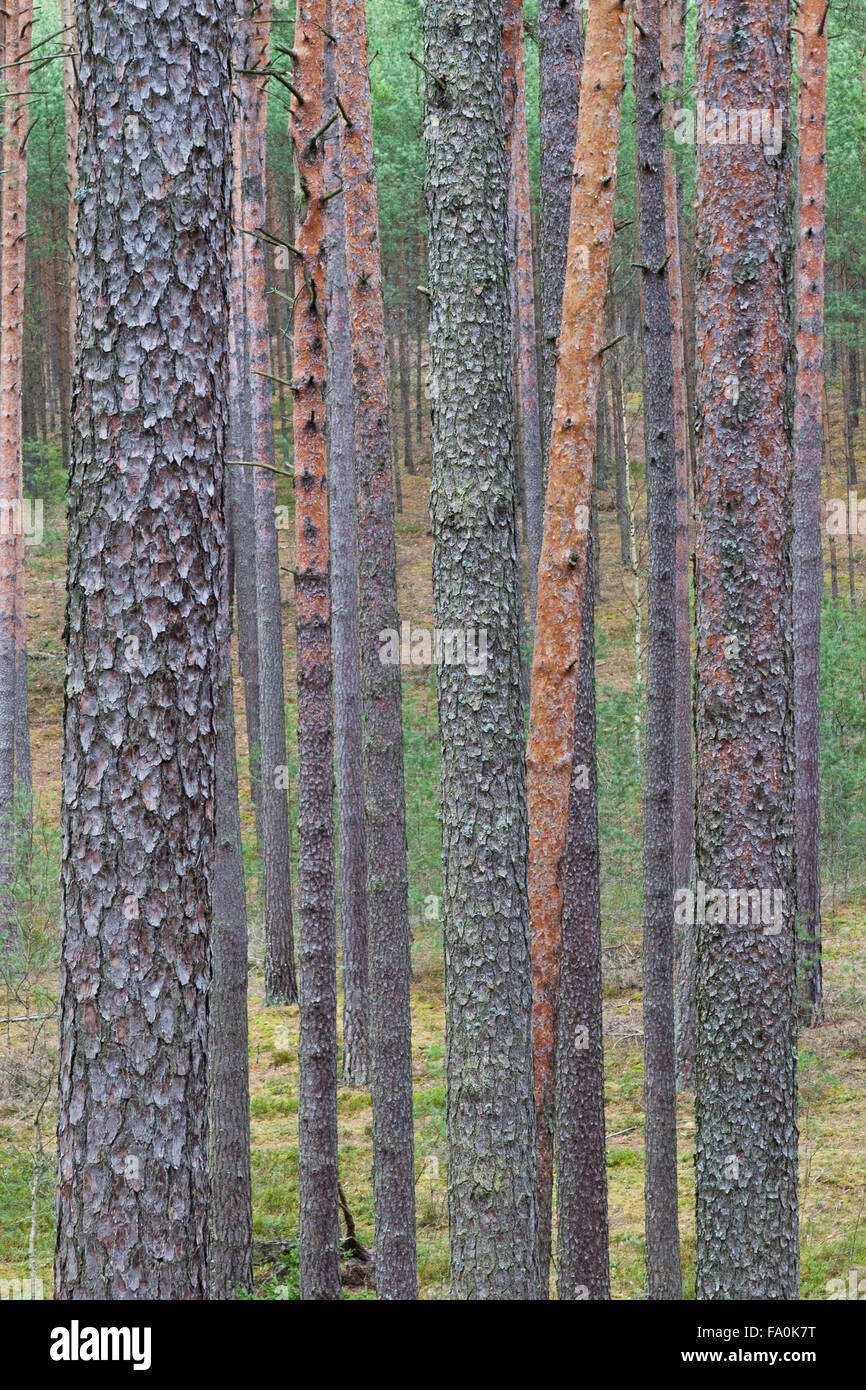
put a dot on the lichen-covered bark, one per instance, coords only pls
(230, 1211)
(582, 1266)
(808, 457)
(346, 635)
(249, 302)
(490, 1119)
(560, 62)
(146, 541)
(15, 109)
(523, 283)
(673, 69)
(387, 886)
(319, 1235)
(562, 571)
(663, 1277)
(746, 1120)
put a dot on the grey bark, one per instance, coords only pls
(346, 639)
(583, 1269)
(146, 540)
(489, 1066)
(663, 1274)
(560, 58)
(746, 1100)
(230, 1212)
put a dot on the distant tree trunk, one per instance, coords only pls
(828, 459)
(347, 650)
(808, 459)
(319, 1234)
(562, 571)
(145, 587)
(523, 286)
(252, 33)
(405, 375)
(71, 99)
(620, 457)
(19, 18)
(230, 1212)
(581, 1187)
(381, 688)
(560, 60)
(746, 1091)
(476, 585)
(277, 291)
(419, 340)
(662, 439)
(850, 457)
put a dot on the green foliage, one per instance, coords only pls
(843, 745)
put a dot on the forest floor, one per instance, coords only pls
(832, 1057)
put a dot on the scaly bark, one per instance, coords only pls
(230, 1210)
(387, 880)
(523, 285)
(476, 584)
(319, 1234)
(746, 1098)
(562, 571)
(70, 96)
(661, 439)
(347, 649)
(583, 1268)
(146, 539)
(808, 458)
(560, 62)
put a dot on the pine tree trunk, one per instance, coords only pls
(476, 585)
(12, 283)
(560, 60)
(662, 438)
(71, 99)
(523, 285)
(146, 541)
(347, 650)
(230, 1212)
(746, 1098)
(319, 1234)
(808, 459)
(562, 571)
(252, 35)
(581, 1188)
(387, 882)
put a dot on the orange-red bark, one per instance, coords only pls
(562, 570)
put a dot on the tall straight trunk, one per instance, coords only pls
(71, 100)
(240, 481)
(12, 275)
(230, 1211)
(319, 1234)
(828, 460)
(347, 649)
(746, 1097)
(673, 71)
(583, 1269)
(620, 457)
(850, 457)
(662, 439)
(146, 542)
(560, 61)
(523, 284)
(418, 319)
(277, 291)
(252, 35)
(808, 460)
(387, 875)
(476, 584)
(562, 571)
(405, 375)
